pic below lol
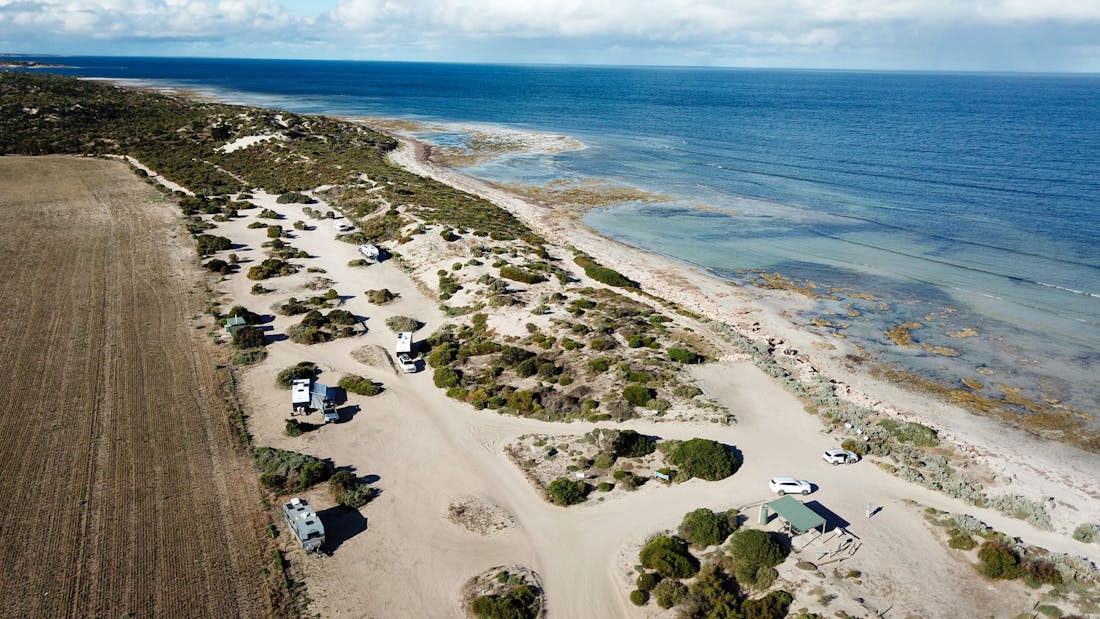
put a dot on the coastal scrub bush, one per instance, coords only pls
(1088, 532)
(445, 377)
(524, 276)
(599, 365)
(713, 594)
(705, 459)
(755, 554)
(631, 444)
(702, 527)
(248, 337)
(295, 470)
(1019, 506)
(348, 491)
(669, 557)
(603, 274)
(307, 335)
(359, 385)
(293, 197)
(274, 232)
(638, 395)
(218, 266)
(639, 597)
(774, 605)
(566, 492)
(304, 369)
(683, 355)
(912, 433)
(294, 428)
(379, 297)
(272, 267)
(398, 324)
(1039, 572)
(998, 561)
(206, 244)
(669, 593)
(646, 581)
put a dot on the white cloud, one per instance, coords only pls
(690, 29)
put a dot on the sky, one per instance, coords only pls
(981, 35)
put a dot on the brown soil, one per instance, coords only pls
(125, 495)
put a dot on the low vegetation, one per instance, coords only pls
(301, 370)
(398, 324)
(349, 491)
(289, 471)
(360, 385)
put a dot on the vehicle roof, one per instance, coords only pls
(787, 480)
(834, 452)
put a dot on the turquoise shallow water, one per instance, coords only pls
(960, 201)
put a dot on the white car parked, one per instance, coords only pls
(789, 485)
(840, 456)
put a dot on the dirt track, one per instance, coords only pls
(123, 493)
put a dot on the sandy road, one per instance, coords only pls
(124, 493)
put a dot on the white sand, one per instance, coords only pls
(429, 451)
(249, 140)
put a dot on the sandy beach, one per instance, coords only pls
(405, 554)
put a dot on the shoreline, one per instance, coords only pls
(1019, 461)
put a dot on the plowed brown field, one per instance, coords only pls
(121, 493)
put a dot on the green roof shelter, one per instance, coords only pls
(798, 518)
(234, 323)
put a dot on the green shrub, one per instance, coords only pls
(702, 527)
(603, 461)
(755, 553)
(631, 444)
(248, 337)
(639, 597)
(774, 605)
(603, 274)
(566, 492)
(294, 428)
(304, 369)
(248, 357)
(259, 289)
(669, 593)
(274, 232)
(292, 197)
(522, 400)
(348, 491)
(997, 560)
(272, 267)
(218, 266)
(669, 557)
(683, 355)
(605, 486)
(298, 471)
(445, 377)
(307, 335)
(646, 581)
(638, 395)
(206, 244)
(398, 324)
(599, 365)
(359, 385)
(528, 367)
(1088, 533)
(909, 432)
(601, 343)
(524, 276)
(705, 459)
(1038, 572)
(380, 297)
(855, 446)
(341, 317)
(960, 540)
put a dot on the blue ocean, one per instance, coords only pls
(967, 205)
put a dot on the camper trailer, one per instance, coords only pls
(370, 252)
(404, 352)
(300, 396)
(304, 524)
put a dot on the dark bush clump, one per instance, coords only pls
(646, 581)
(703, 527)
(207, 244)
(705, 459)
(669, 557)
(379, 297)
(755, 554)
(445, 377)
(348, 491)
(639, 597)
(669, 593)
(359, 385)
(294, 197)
(295, 470)
(248, 337)
(304, 369)
(272, 267)
(638, 395)
(603, 274)
(774, 605)
(631, 444)
(683, 355)
(218, 266)
(517, 274)
(564, 491)
(997, 560)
